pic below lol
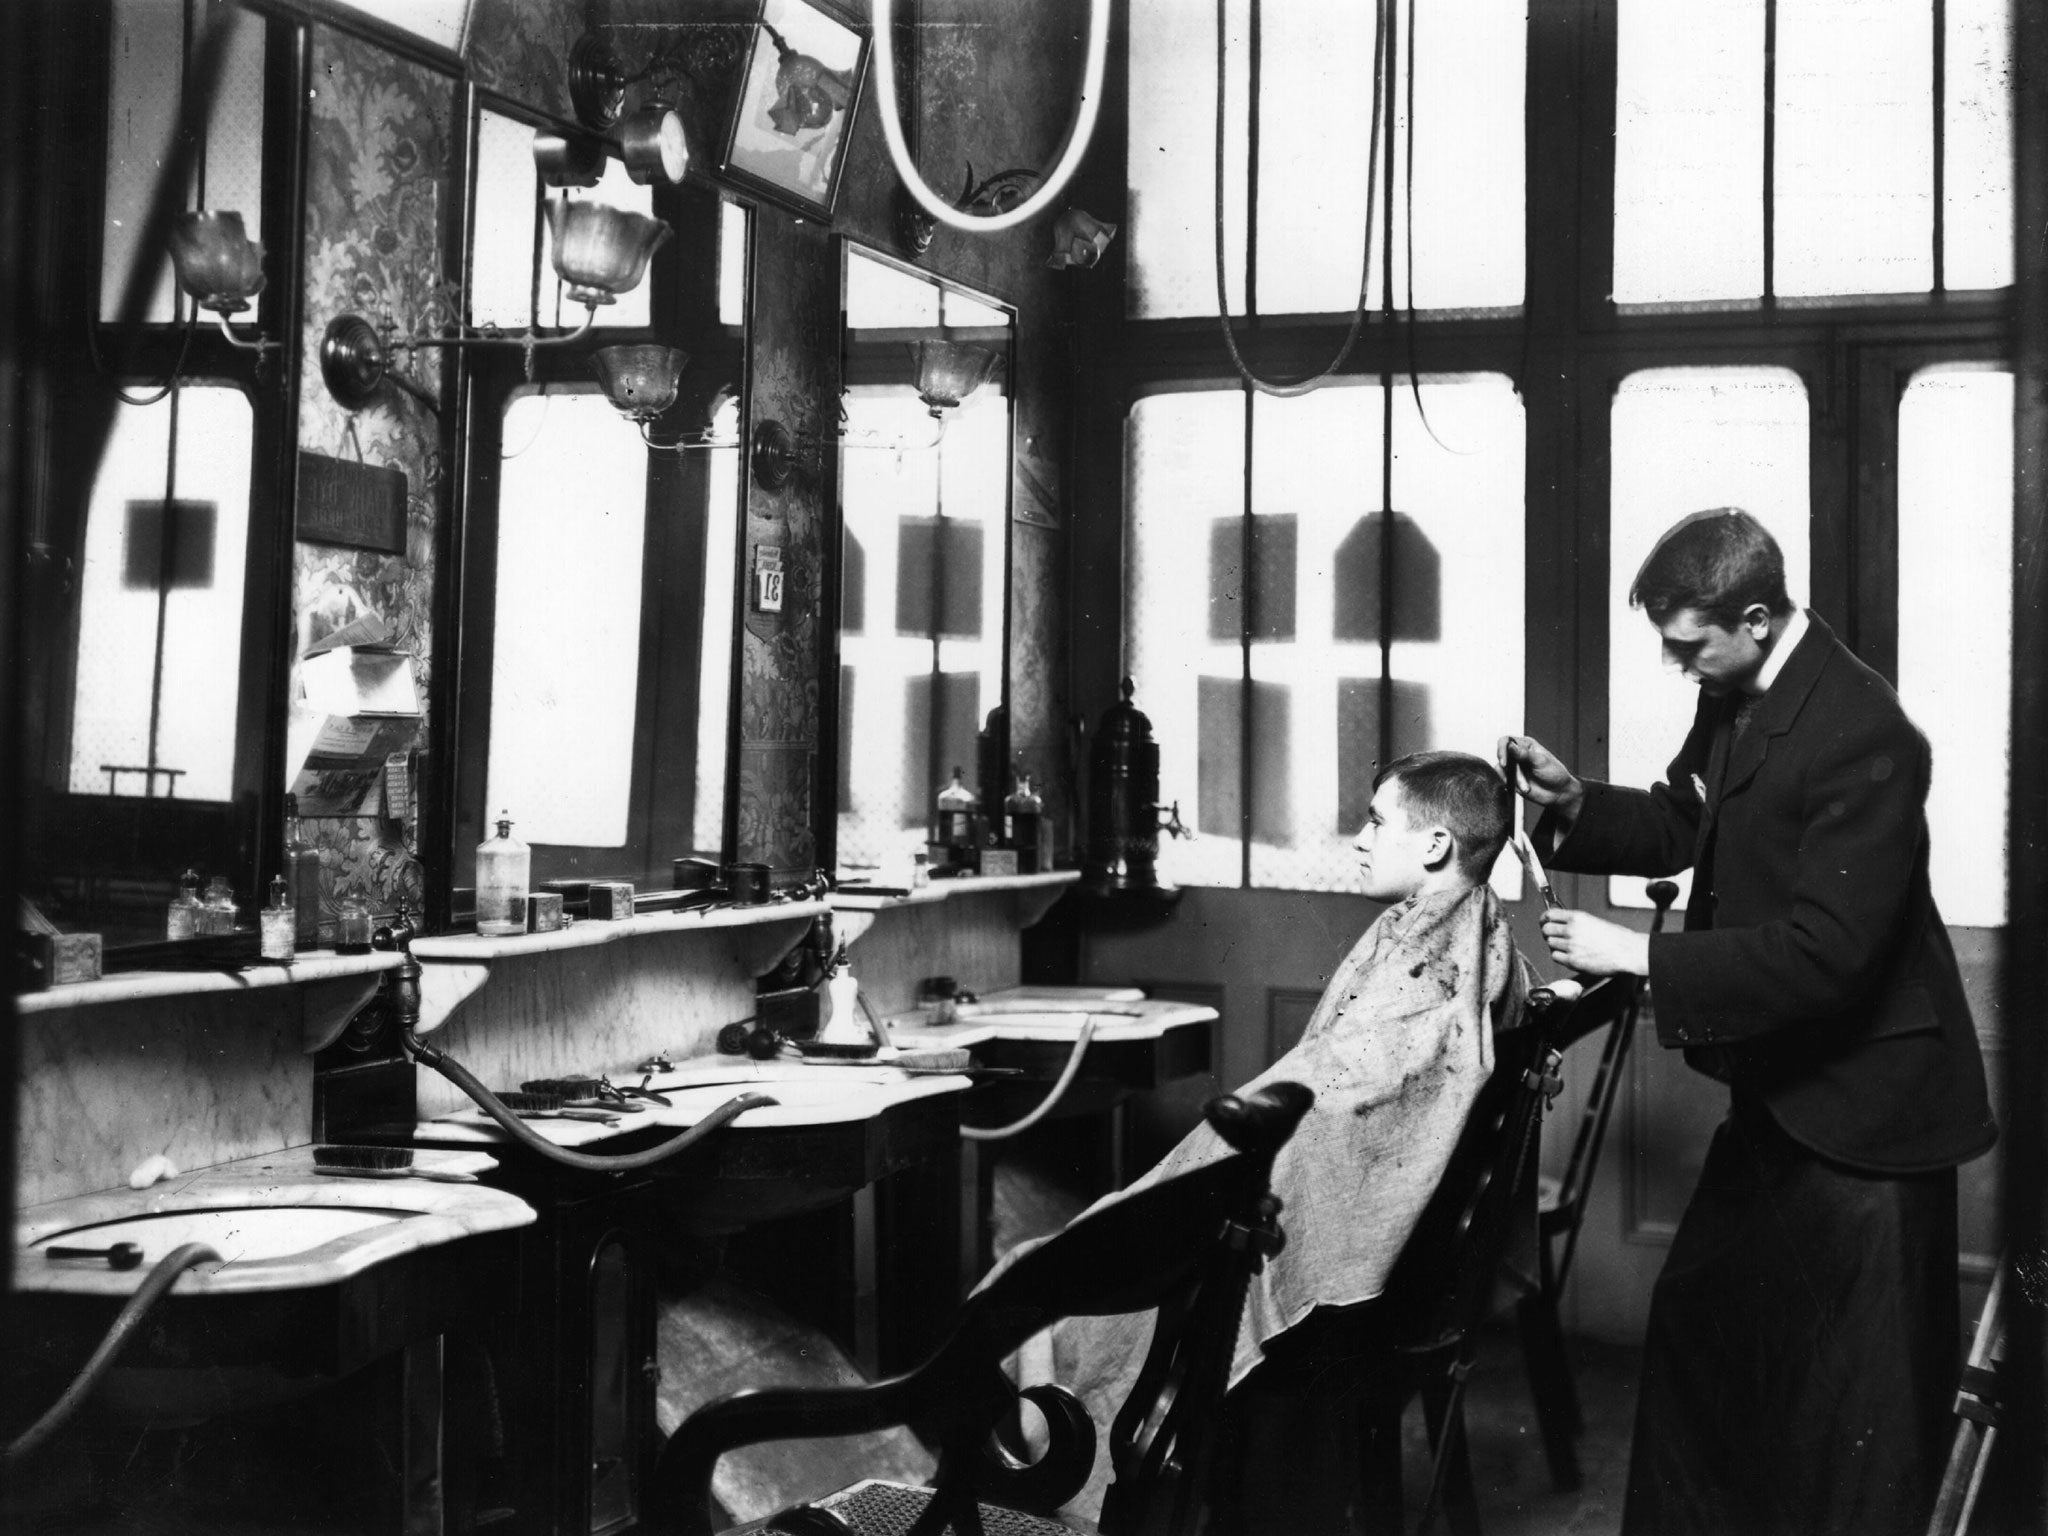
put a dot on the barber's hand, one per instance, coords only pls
(1534, 772)
(1592, 946)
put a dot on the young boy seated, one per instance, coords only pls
(1396, 1053)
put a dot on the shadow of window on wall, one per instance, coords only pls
(947, 701)
(845, 787)
(938, 583)
(853, 585)
(1274, 539)
(1418, 582)
(1358, 740)
(1220, 785)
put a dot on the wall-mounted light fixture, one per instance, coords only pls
(1079, 239)
(641, 381)
(599, 251)
(220, 267)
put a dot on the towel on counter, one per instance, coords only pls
(1396, 1053)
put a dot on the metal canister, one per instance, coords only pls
(1123, 800)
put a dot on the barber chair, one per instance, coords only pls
(1188, 1246)
(1980, 1401)
(1611, 1005)
(1362, 1365)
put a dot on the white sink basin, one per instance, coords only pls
(275, 1224)
(241, 1236)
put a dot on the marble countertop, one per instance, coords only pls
(358, 1223)
(812, 1093)
(136, 986)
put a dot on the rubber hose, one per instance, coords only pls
(159, 1280)
(1045, 1106)
(528, 1137)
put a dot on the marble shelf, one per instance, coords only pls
(332, 987)
(454, 967)
(854, 912)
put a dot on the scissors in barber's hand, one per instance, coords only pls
(1526, 852)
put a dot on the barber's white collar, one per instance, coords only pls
(1795, 631)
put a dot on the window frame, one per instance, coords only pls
(1854, 354)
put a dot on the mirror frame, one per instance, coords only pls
(829, 696)
(466, 615)
(243, 836)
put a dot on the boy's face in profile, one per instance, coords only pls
(1393, 853)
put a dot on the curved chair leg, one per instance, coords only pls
(1551, 1386)
(1451, 1489)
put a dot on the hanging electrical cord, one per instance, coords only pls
(1283, 388)
(406, 980)
(162, 1276)
(92, 348)
(1045, 1105)
(1408, 237)
(1079, 131)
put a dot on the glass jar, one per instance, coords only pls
(217, 910)
(280, 923)
(183, 920)
(353, 934)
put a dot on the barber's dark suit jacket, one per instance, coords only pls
(1813, 970)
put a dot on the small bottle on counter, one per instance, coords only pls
(1021, 812)
(184, 909)
(957, 805)
(301, 876)
(280, 924)
(217, 910)
(353, 933)
(502, 867)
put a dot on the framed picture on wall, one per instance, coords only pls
(797, 99)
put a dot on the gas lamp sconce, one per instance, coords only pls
(220, 267)
(599, 251)
(641, 381)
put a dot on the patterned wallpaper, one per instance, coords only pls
(516, 47)
(376, 201)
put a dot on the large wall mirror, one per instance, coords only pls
(154, 587)
(924, 555)
(600, 553)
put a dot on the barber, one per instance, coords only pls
(1803, 1340)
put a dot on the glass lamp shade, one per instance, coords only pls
(217, 262)
(640, 380)
(949, 371)
(601, 251)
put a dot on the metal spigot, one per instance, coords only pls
(1171, 823)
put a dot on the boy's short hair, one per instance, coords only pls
(1718, 562)
(1461, 793)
